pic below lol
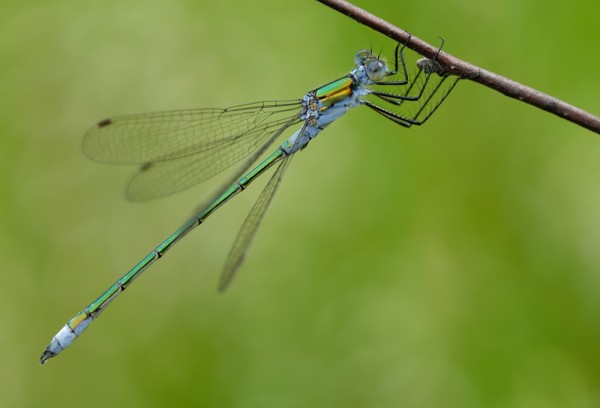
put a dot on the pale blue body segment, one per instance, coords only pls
(181, 148)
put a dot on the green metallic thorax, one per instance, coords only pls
(334, 92)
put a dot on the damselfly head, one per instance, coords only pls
(374, 67)
(361, 56)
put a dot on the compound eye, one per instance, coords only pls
(376, 70)
(361, 57)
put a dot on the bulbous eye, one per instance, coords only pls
(376, 70)
(361, 57)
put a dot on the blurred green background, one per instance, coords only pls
(452, 265)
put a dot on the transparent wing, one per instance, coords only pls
(178, 149)
(161, 178)
(250, 226)
(159, 136)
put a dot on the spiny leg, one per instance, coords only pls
(443, 87)
(398, 99)
(398, 52)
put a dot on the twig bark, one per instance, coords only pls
(465, 70)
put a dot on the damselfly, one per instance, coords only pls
(181, 148)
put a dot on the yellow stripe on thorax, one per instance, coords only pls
(334, 92)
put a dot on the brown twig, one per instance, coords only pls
(455, 66)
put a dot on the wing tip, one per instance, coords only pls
(104, 123)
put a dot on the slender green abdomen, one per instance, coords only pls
(98, 305)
